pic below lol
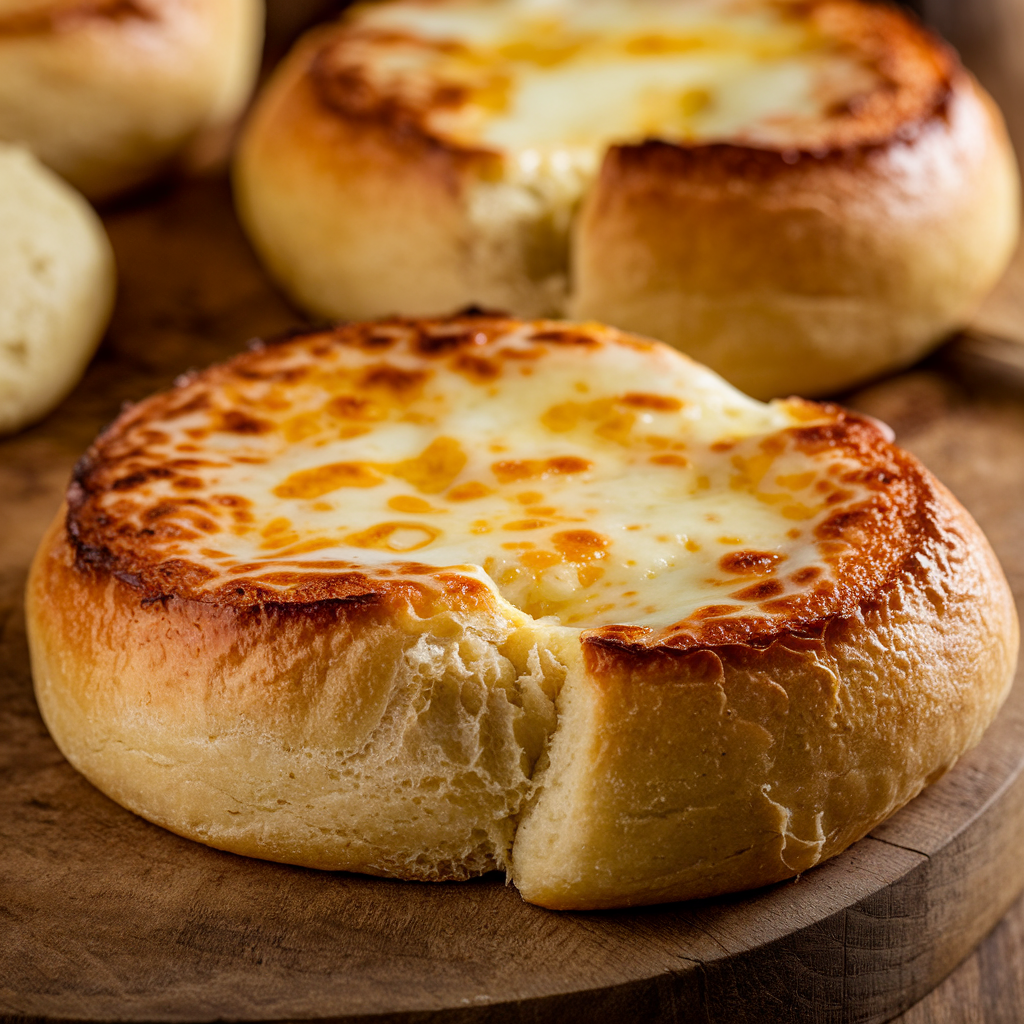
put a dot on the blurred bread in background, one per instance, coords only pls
(56, 287)
(110, 92)
(800, 195)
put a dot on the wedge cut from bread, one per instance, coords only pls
(109, 93)
(425, 599)
(800, 195)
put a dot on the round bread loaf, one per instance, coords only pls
(57, 283)
(800, 195)
(426, 599)
(109, 92)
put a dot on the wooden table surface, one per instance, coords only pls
(198, 297)
(988, 987)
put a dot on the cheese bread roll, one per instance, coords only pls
(800, 195)
(425, 599)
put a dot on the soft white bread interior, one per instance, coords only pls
(801, 196)
(110, 93)
(57, 282)
(429, 598)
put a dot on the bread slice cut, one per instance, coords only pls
(429, 598)
(800, 195)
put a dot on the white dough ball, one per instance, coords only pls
(57, 283)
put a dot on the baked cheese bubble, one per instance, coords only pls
(561, 80)
(586, 476)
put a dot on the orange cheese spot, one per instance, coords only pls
(355, 407)
(670, 460)
(539, 559)
(393, 381)
(806, 575)
(350, 430)
(306, 546)
(278, 533)
(656, 403)
(314, 483)
(525, 524)
(435, 468)
(795, 481)
(804, 411)
(581, 545)
(235, 421)
(750, 563)
(300, 427)
(512, 470)
(477, 368)
(469, 491)
(408, 503)
(276, 526)
(529, 497)
(562, 418)
(798, 511)
(752, 470)
(763, 591)
(616, 427)
(398, 537)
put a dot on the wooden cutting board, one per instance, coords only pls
(104, 917)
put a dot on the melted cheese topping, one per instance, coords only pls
(583, 474)
(560, 80)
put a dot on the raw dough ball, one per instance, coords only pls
(56, 287)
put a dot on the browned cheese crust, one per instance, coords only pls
(402, 719)
(110, 92)
(789, 269)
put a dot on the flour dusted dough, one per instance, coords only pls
(110, 92)
(799, 195)
(56, 287)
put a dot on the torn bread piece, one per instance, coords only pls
(425, 599)
(801, 195)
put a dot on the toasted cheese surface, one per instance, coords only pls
(561, 80)
(586, 476)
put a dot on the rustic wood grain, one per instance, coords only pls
(104, 917)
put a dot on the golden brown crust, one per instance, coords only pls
(403, 719)
(326, 198)
(866, 545)
(844, 263)
(304, 734)
(684, 775)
